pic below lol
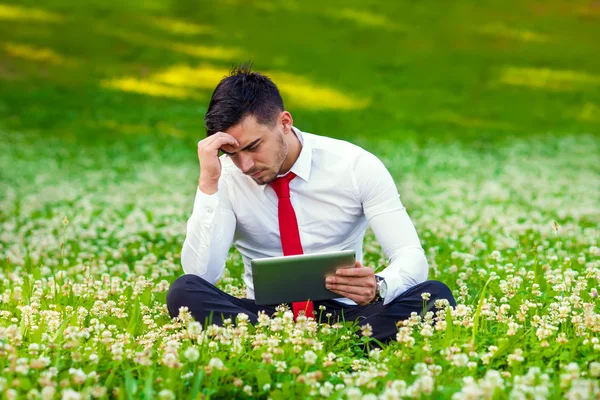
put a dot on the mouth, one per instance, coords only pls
(256, 175)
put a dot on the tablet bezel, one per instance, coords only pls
(287, 279)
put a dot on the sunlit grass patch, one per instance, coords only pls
(11, 12)
(301, 92)
(590, 112)
(147, 87)
(503, 31)
(358, 17)
(181, 81)
(39, 54)
(204, 76)
(196, 50)
(179, 27)
(461, 120)
(364, 18)
(546, 78)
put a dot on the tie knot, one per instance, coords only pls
(281, 185)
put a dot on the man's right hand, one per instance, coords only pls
(210, 164)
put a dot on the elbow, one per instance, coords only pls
(423, 274)
(419, 267)
(199, 263)
(191, 262)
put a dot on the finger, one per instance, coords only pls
(222, 140)
(361, 281)
(220, 137)
(362, 271)
(356, 290)
(361, 300)
(219, 142)
(343, 293)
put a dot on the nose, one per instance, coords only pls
(246, 162)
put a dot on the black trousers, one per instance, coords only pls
(202, 298)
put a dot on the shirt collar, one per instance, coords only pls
(304, 161)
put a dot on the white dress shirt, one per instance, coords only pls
(340, 188)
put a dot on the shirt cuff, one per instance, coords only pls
(395, 285)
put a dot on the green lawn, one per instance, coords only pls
(487, 117)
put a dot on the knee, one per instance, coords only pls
(439, 290)
(177, 294)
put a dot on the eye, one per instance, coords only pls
(254, 147)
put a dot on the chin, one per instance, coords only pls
(266, 180)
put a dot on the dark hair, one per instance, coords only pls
(240, 94)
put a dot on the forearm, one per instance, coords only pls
(209, 235)
(399, 240)
(408, 267)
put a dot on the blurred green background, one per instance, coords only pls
(142, 72)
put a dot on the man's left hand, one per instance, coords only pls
(358, 284)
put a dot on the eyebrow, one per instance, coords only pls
(250, 145)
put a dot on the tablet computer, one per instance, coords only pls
(287, 279)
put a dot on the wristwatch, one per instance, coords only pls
(381, 288)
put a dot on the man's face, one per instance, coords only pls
(262, 149)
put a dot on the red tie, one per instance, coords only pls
(288, 230)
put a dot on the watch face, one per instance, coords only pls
(382, 286)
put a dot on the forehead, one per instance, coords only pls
(247, 127)
(247, 131)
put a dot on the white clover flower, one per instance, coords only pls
(369, 396)
(93, 358)
(171, 360)
(98, 391)
(280, 366)
(353, 393)
(470, 390)
(460, 360)
(166, 394)
(191, 354)
(263, 319)
(310, 357)
(70, 394)
(216, 363)
(515, 357)
(194, 328)
(583, 389)
(77, 375)
(426, 331)
(34, 348)
(595, 369)
(375, 354)
(11, 394)
(48, 392)
(366, 330)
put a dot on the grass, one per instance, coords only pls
(487, 117)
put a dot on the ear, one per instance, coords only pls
(285, 118)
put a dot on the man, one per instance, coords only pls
(320, 191)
